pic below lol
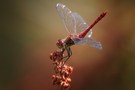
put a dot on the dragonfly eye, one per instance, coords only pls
(59, 43)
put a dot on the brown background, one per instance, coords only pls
(30, 28)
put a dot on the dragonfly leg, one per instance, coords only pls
(69, 52)
(63, 50)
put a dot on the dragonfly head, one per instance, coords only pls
(59, 43)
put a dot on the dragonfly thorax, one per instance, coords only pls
(61, 43)
(68, 41)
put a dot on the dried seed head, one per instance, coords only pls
(65, 86)
(70, 69)
(57, 69)
(53, 56)
(56, 80)
(57, 55)
(68, 80)
(62, 70)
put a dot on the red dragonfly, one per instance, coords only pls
(79, 32)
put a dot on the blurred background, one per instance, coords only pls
(30, 29)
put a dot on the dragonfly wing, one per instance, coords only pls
(92, 42)
(80, 24)
(73, 22)
(67, 17)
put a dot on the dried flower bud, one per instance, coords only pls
(68, 80)
(66, 70)
(57, 55)
(65, 73)
(57, 69)
(70, 69)
(53, 56)
(56, 80)
(65, 86)
(62, 70)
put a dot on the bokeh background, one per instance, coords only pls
(30, 28)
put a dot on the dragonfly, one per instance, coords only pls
(79, 31)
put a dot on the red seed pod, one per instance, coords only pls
(53, 56)
(62, 70)
(53, 76)
(70, 69)
(57, 55)
(66, 74)
(57, 69)
(61, 63)
(65, 71)
(65, 66)
(68, 80)
(62, 83)
(65, 86)
(56, 80)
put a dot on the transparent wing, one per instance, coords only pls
(74, 23)
(80, 25)
(90, 41)
(67, 17)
